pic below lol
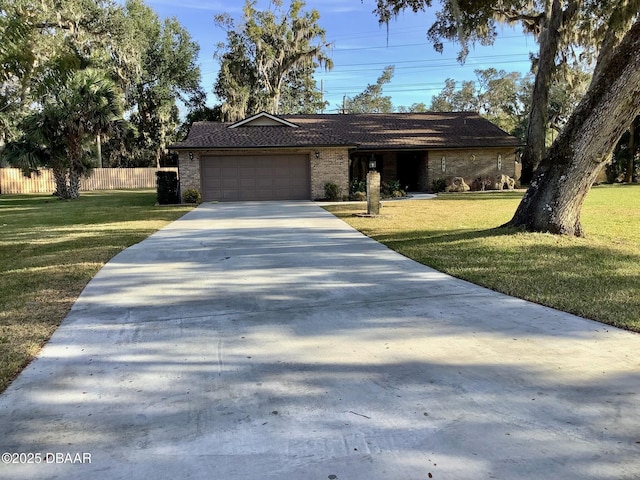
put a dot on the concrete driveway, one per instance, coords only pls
(272, 341)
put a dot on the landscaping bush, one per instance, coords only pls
(358, 196)
(332, 192)
(192, 196)
(438, 185)
(392, 189)
(356, 186)
(167, 187)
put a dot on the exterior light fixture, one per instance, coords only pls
(191, 156)
(372, 163)
(443, 164)
(499, 162)
(317, 155)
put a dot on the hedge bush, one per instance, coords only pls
(332, 192)
(192, 196)
(167, 187)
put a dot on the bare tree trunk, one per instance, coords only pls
(539, 115)
(628, 177)
(553, 202)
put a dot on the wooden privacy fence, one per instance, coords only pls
(12, 180)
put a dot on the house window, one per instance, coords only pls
(443, 163)
(499, 162)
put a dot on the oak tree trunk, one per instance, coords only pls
(539, 115)
(554, 199)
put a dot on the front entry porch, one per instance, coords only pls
(408, 168)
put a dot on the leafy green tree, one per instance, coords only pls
(153, 63)
(41, 49)
(88, 106)
(606, 31)
(57, 136)
(418, 107)
(564, 95)
(165, 74)
(625, 165)
(496, 95)
(268, 62)
(372, 100)
(299, 92)
(40, 146)
(593, 28)
(454, 99)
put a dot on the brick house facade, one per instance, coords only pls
(265, 157)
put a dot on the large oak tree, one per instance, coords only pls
(554, 199)
(606, 30)
(566, 30)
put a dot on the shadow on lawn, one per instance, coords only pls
(561, 272)
(312, 352)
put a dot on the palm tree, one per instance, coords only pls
(56, 137)
(41, 146)
(89, 106)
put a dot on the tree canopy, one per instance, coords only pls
(151, 63)
(267, 62)
(567, 31)
(575, 30)
(372, 100)
(504, 98)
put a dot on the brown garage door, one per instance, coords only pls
(264, 177)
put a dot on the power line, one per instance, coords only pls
(435, 60)
(431, 64)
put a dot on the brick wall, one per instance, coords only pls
(472, 163)
(189, 171)
(331, 166)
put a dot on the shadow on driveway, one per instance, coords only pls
(271, 340)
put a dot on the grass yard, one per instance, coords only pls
(596, 277)
(50, 249)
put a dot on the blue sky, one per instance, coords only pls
(360, 50)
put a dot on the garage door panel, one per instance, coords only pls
(267, 177)
(282, 183)
(265, 182)
(248, 183)
(230, 183)
(282, 172)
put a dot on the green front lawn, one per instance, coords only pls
(50, 249)
(596, 277)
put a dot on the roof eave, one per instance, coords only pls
(263, 147)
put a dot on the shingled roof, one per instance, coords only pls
(393, 131)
